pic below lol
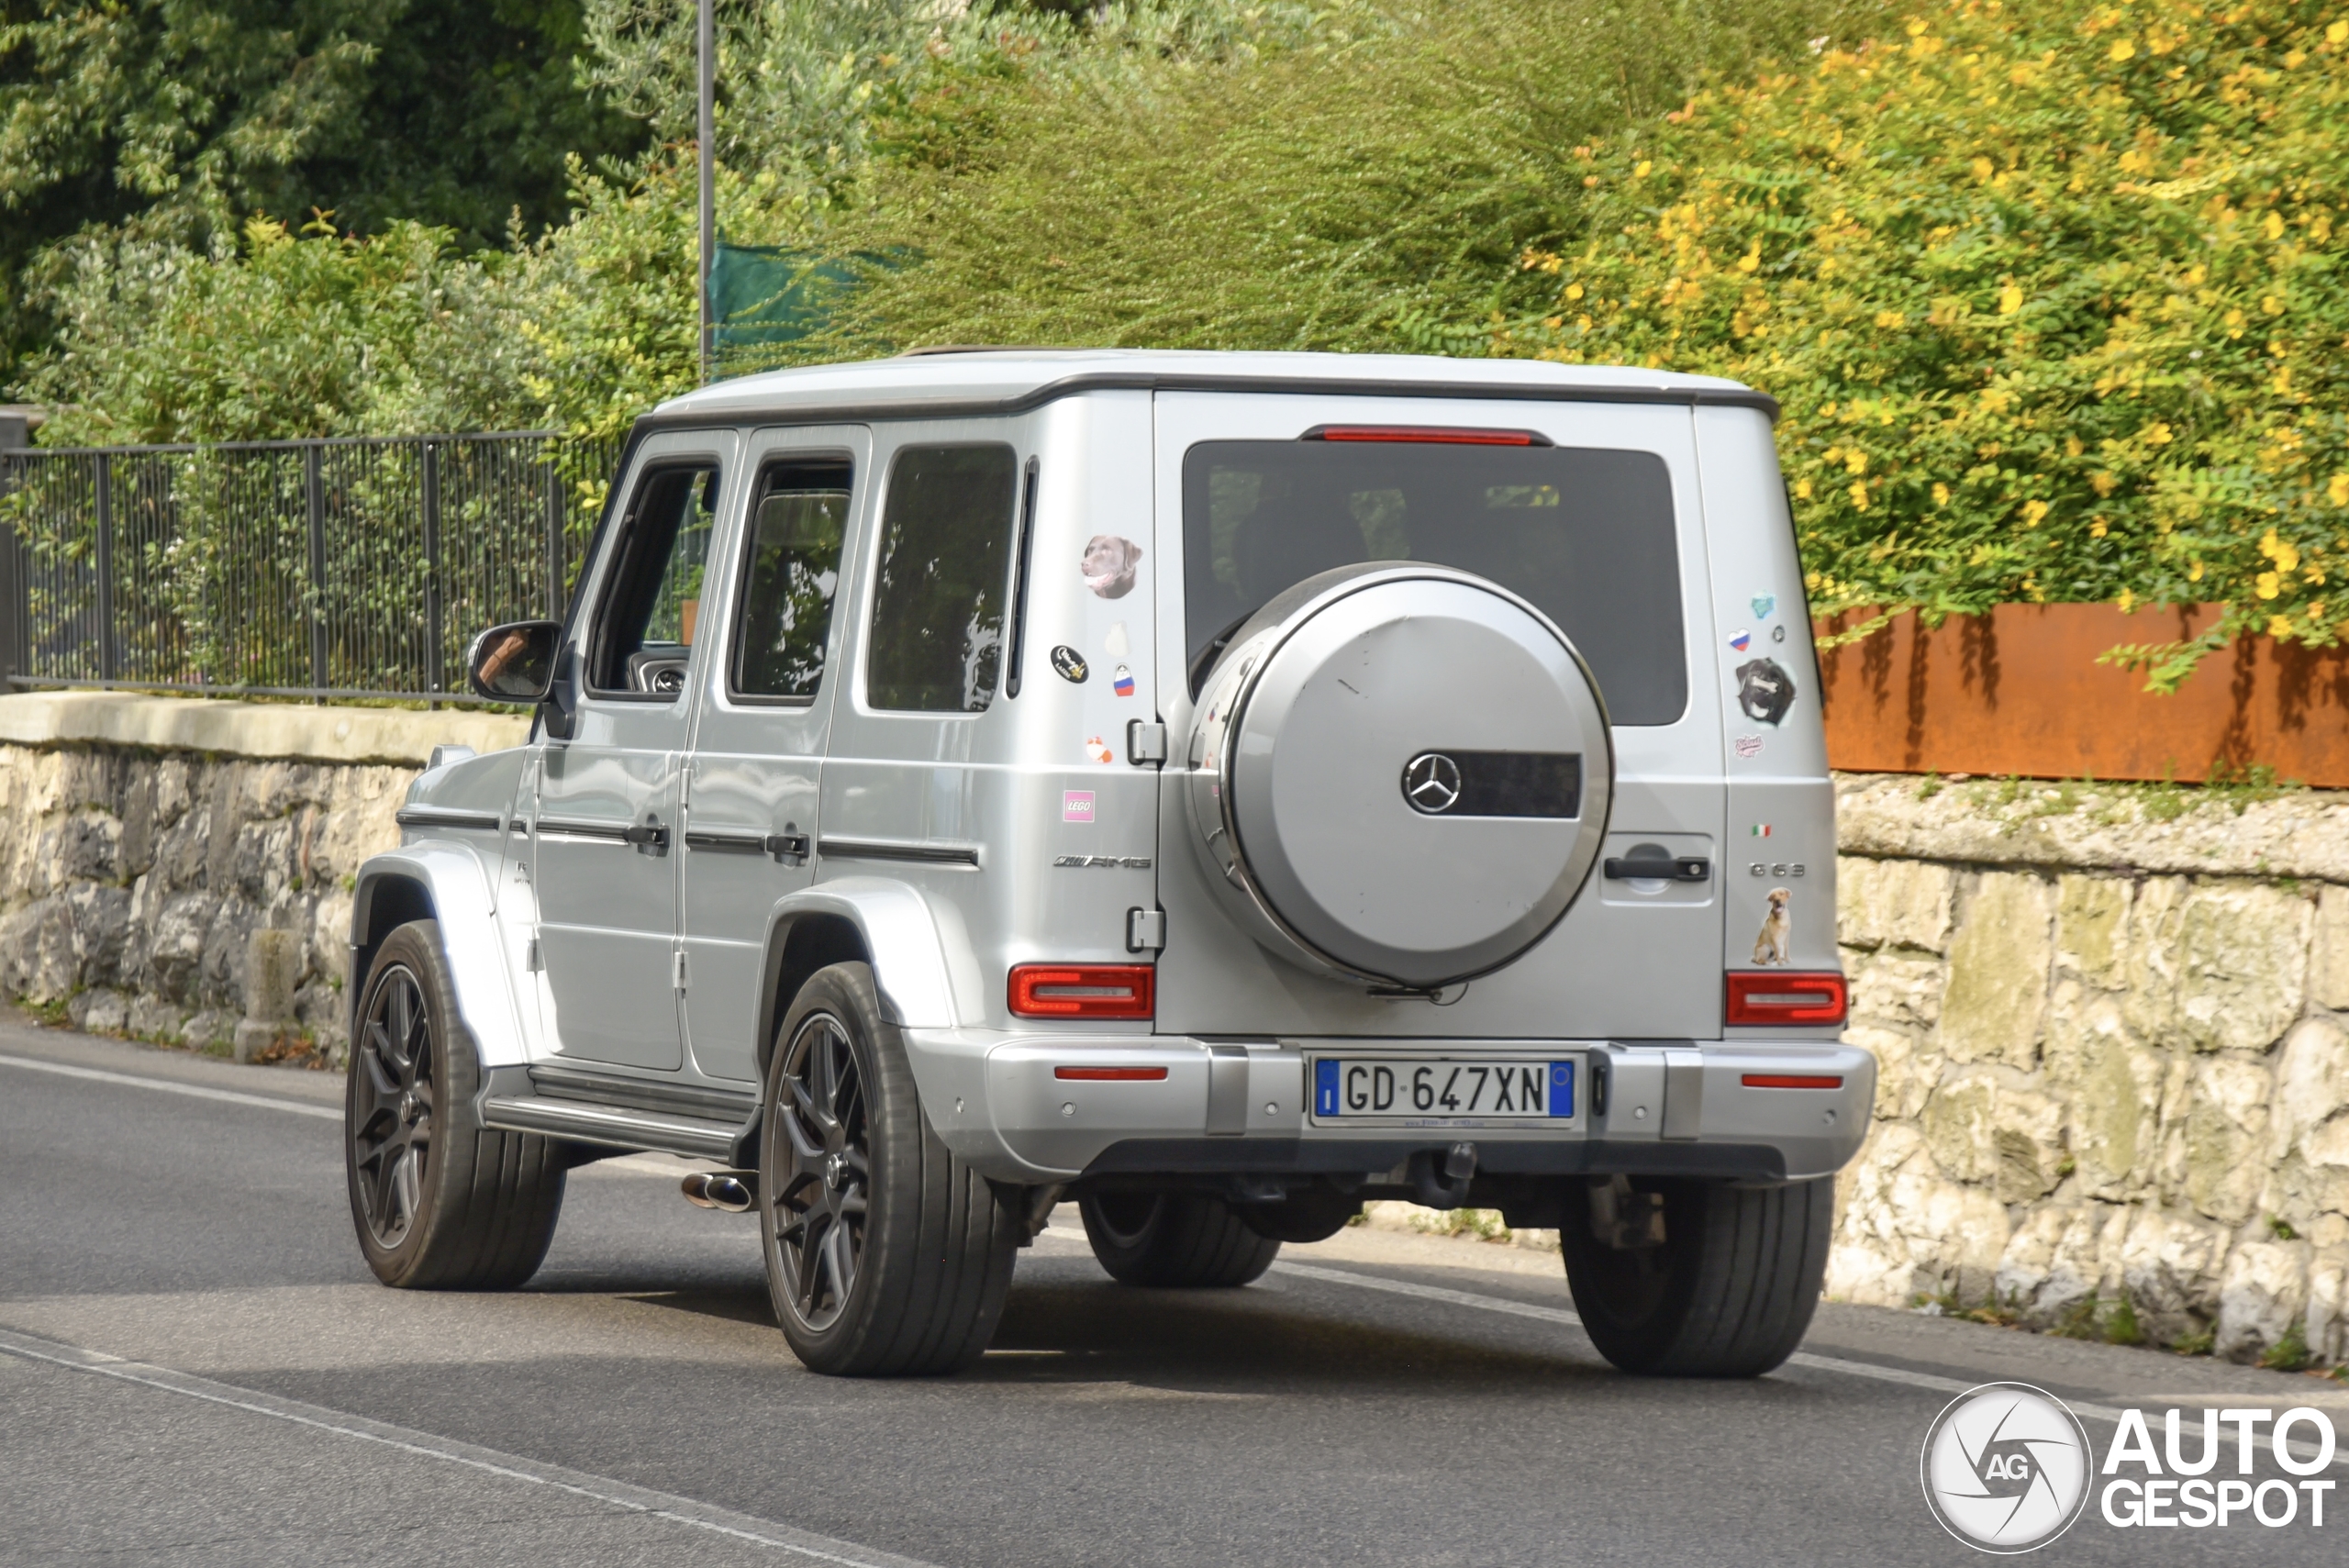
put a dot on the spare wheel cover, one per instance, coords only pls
(1410, 771)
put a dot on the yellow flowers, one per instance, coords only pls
(1855, 462)
(2121, 49)
(1802, 489)
(2010, 299)
(1573, 291)
(2033, 512)
(1984, 169)
(2285, 556)
(2279, 626)
(2194, 572)
(1752, 260)
(2104, 482)
(2157, 434)
(1941, 494)
(2337, 33)
(1892, 320)
(2337, 492)
(1859, 494)
(2268, 584)
(2274, 226)
(2128, 602)
(1644, 169)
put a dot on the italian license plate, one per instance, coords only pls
(1420, 1089)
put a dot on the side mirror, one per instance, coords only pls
(515, 663)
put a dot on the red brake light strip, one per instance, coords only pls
(1442, 435)
(1792, 1081)
(1111, 1074)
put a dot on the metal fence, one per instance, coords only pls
(330, 568)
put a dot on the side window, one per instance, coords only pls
(937, 637)
(643, 630)
(790, 571)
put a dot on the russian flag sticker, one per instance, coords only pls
(1741, 640)
(1123, 682)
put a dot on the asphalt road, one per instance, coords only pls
(196, 1368)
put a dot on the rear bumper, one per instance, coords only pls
(1670, 1108)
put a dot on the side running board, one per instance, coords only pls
(588, 1106)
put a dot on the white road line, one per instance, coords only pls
(198, 1090)
(424, 1445)
(1815, 1362)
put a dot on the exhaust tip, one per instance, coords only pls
(735, 1192)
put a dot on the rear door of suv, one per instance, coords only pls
(1598, 521)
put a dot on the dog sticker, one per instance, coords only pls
(1775, 945)
(1765, 690)
(1109, 563)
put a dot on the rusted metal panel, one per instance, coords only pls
(2020, 691)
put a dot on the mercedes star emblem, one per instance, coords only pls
(1431, 783)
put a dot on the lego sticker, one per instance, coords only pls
(1747, 746)
(1096, 749)
(1069, 664)
(1076, 805)
(1765, 690)
(1763, 604)
(1110, 564)
(1115, 644)
(1741, 640)
(1774, 944)
(1122, 681)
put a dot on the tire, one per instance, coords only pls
(440, 1201)
(1173, 1240)
(1728, 1293)
(886, 1254)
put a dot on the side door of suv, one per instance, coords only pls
(766, 696)
(608, 798)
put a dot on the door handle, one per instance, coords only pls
(648, 836)
(791, 849)
(1660, 868)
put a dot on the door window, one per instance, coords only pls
(937, 635)
(790, 571)
(645, 627)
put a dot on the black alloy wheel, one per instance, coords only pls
(439, 1201)
(825, 1160)
(391, 1125)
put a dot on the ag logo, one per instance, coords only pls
(2006, 1468)
(1431, 783)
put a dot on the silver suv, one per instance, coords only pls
(1219, 788)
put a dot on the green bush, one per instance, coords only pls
(2052, 294)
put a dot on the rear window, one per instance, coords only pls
(1584, 533)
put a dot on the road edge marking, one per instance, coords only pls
(170, 1087)
(621, 1495)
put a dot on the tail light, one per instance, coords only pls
(1442, 435)
(1084, 991)
(1773, 996)
(1111, 1074)
(1792, 1080)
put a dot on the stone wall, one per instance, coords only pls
(2114, 1067)
(143, 840)
(2113, 1024)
